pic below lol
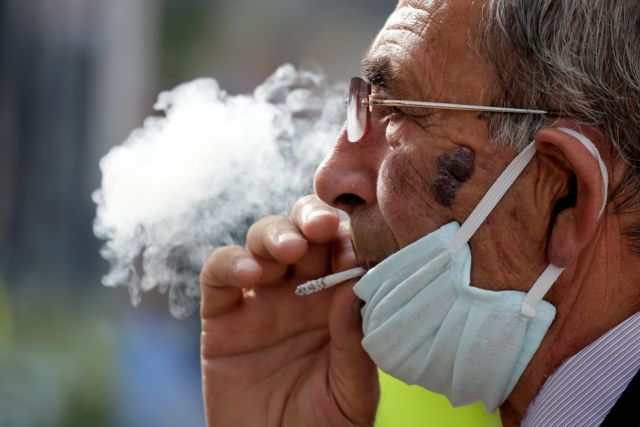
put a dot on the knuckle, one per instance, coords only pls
(303, 204)
(224, 255)
(263, 225)
(271, 219)
(310, 198)
(219, 261)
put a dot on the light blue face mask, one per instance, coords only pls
(425, 324)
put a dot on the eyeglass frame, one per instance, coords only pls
(371, 102)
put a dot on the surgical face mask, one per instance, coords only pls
(425, 324)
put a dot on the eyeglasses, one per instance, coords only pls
(360, 103)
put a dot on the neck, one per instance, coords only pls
(591, 297)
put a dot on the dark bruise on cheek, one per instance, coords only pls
(453, 169)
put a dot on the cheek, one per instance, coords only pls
(454, 168)
(405, 197)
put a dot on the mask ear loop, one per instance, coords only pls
(495, 194)
(492, 197)
(552, 272)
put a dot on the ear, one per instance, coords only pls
(574, 226)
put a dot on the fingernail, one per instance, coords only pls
(246, 265)
(287, 236)
(316, 213)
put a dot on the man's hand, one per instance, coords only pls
(270, 357)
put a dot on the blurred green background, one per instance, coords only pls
(76, 77)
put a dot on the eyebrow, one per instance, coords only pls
(379, 71)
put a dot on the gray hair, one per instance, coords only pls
(580, 58)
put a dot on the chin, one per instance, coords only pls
(372, 240)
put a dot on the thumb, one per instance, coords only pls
(353, 377)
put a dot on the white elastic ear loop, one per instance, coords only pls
(492, 197)
(594, 151)
(552, 272)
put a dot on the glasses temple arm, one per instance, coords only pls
(446, 106)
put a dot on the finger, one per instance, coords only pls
(343, 255)
(317, 220)
(273, 272)
(314, 264)
(271, 315)
(224, 274)
(352, 372)
(276, 238)
(339, 255)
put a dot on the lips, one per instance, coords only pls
(372, 239)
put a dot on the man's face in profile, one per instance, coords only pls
(416, 169)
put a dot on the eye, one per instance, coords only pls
(418, 115)
(389, 112)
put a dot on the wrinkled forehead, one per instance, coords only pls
(424, 43)
(422, 19)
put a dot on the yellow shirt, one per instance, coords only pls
(403, 405)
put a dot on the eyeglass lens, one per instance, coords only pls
(357, 110)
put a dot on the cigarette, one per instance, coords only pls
(329, 281)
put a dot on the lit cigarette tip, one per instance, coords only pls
(329, 281)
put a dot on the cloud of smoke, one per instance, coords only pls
(196, 178)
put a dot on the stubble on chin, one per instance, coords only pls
(372, 239)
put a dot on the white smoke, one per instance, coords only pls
(199, 176)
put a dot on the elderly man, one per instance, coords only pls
(563, 150)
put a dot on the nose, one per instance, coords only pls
(346, 179)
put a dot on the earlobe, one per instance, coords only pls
(574, 225)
